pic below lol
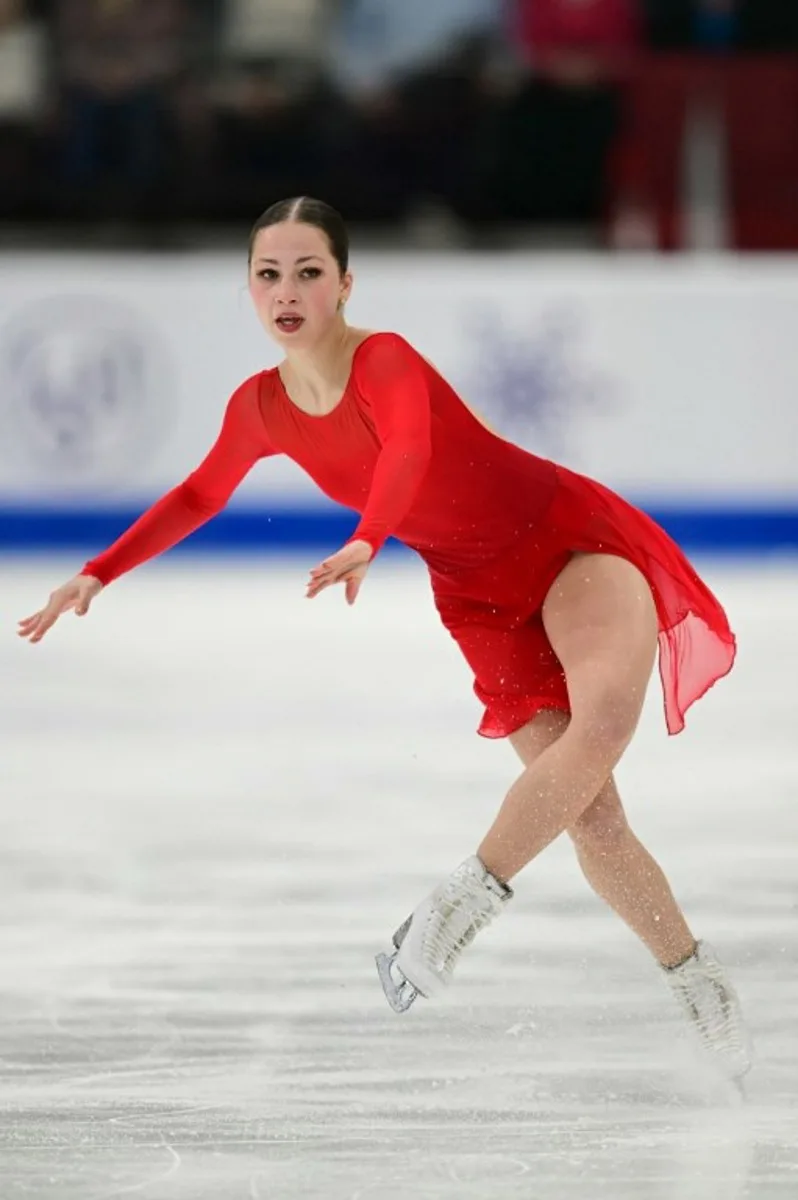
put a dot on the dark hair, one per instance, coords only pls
(309, 212)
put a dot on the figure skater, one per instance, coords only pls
(558, 592)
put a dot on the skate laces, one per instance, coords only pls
(462, 906)
(701, 986)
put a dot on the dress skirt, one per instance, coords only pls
(494, 611)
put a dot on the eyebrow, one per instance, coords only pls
(305, 258)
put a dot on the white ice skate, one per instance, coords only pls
(710, 1003)
(429, 943)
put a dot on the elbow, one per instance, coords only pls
(198, 502)
(409, 466)
(416, 458)
(420, 462)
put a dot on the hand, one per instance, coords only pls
(348, 566)
(77, 594)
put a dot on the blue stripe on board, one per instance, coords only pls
(240, 530)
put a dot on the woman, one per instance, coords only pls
(557, 591)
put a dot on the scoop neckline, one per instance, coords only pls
(303, 412)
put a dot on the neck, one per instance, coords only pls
(325, 364)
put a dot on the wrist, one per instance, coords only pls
(88, 573)
(374, 544)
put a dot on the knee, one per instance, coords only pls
(606, 720)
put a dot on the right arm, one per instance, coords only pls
(241, 442)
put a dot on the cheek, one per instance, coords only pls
(322, 302)
(257, 293)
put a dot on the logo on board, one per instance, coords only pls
(85, 391)
(531, 381)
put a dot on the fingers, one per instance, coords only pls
(320, 579)
(318, 585)
(351, 579)
(28, 624)
(329, 572)
(34, 628)
(347, 566)
(352, 588)
(30, 620)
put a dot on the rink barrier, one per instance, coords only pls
(241, 530)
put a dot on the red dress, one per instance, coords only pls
(494, 524)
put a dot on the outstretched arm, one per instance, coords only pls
(241, 442)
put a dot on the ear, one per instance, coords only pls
(346, 286)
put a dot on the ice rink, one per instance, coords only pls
(219, 800)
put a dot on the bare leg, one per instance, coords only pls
(599, 616)
(600, 619)
(618, 868)
(622, 872)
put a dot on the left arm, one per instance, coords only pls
(391, 378)
(389, 375)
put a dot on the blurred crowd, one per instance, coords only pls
(206, 110)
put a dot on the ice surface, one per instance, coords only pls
(219, 800)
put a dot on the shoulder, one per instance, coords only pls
(384, 352)
(248, 392)
(247, 401)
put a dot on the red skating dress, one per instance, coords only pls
(493, 523)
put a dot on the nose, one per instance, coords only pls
(286, 293)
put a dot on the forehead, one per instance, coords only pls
(290, 240)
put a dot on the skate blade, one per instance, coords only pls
(400, 993)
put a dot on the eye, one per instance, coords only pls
(311, 272)
(267, 273)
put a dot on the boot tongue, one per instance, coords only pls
(474, 868)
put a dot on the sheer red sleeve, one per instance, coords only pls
(390, 377)
(241, 442)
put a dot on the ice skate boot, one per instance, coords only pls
(431, 940)
(710, 1003)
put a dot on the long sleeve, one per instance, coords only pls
(241, 442)
(389, 376)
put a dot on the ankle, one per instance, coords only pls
(495, 868)
(673, 962)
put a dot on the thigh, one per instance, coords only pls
(516, 674)
(600, 618)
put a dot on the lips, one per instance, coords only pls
(289, 322)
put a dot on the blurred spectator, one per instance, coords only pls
(118, 64)
(409, 77)
(268, 102)
(23, 92)
(560, 125)
(505, 110)
(715, 24)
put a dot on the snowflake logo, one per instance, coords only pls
(529, 384)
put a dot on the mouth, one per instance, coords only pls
(289, 322)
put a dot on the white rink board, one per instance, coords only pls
(672, 380)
